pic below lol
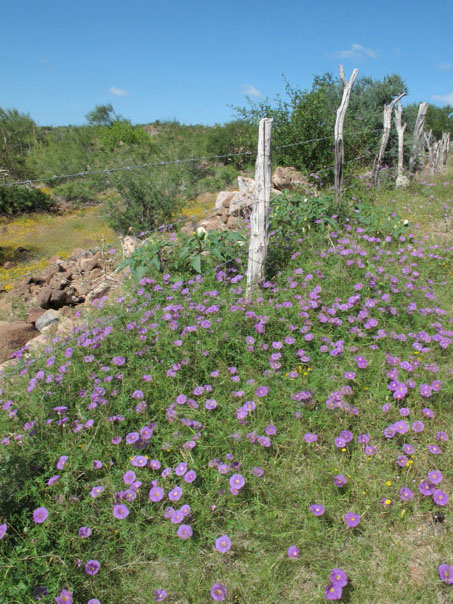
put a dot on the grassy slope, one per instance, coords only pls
(390, 558)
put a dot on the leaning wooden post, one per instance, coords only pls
(417, 144)
(430, 146)
(401, 179)
(388, 110)
(259, 219)
(339, 144)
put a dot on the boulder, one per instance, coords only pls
(288, 179)
(34, 314)
(241, 204)
(48, 318)
(14, 336)
(246, 185)
(224, 199)
(129, 245)
(402, 182)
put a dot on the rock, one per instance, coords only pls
(241, 204)
(96, 273)
(402, 182)
(88, 264)
(224, 199)
(48, 318)
(7, 265)
(129, 245)
(212, 224)
(246, 185)
(36, 344)
(43, 299)
(288, 179)
(14, 336)
(34, 314)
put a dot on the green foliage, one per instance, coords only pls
(148, 198)
(101, 115)
(150, 254)
(439, 120)
(15, 200)
(293, 214)
(123, 133)
(17, 135)
(204, 245)
(380, 221)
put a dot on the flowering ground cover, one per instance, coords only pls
(191, 446)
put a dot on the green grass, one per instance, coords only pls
(393, 554)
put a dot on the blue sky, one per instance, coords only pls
(190, 59)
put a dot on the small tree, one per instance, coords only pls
(102, 115)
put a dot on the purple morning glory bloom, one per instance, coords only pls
(120, 511)
(446, 573)
(84, 532)
(156, 494)
(333, 592)
(351, 519)
(435, 477)
(65, 597)
(310, 438)
(92, 567)
(219, 592)
(405, 494)
(160, 595)
(293, 551)
(223, 544)
(440, 498)
(340, 480)
(237, 481)
(338, 577)
(317, 509)
(3, 529)
(40, 515)
(184, 531)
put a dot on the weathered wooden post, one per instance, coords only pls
(339, 144)
(430, 146)
(445, 147)
(401, 179)
(388, 110)
(417, 144)
(259, 219)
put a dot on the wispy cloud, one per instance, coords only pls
(250, 90)
(356, 52)
(445, 66)
(444, 98)
(117, 91)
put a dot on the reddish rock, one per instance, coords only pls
(14, 336)
(34, 315)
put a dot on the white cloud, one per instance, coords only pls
(250, 90)
(356, 52)
(444, 66)
(446, 98)
(117, 91)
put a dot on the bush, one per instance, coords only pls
(14, 200)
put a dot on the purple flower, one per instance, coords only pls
(446, 573)
(129, 477)
(434, 449)
(418, 426)
(53, 479)
(435, 477)
(237, 481)
(425, 488)
(293, 551)
(84, 532)
(93, 601)
(65, 597)
(160, 595)
(402, 460)
(427, 412)
(439, 497)
(175, 494)
(262, 391)
(338, 577)
(40, 515)
(333, 591)
(351, 519)
(61, 462)
(408, 449)
(340, 442)
(156, 494)
(139, 461)
(317, 509)
(120, 511)
(257, 471)
(3, 529)
(425, 390)
(340, 480)
(184, 531)
(346, 435)
(223, 544)
(181, 469)
(310, 437)
(92, 567)
(118, 361)
(97, 464)
(96, 491)
(443, 436)
(405, 494)
(219, 592)
(190, 476)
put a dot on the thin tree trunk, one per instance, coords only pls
(388, 110)
(401, 178)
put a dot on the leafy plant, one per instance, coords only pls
(204, 244)
(14, 200)
(380, 221)
(150, 254)
(295, 213)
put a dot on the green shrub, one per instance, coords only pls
(14, 200)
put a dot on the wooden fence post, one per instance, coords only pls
(259, 219)
(339, 144)
(417, 144)
(388, 110)
(401, 179)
